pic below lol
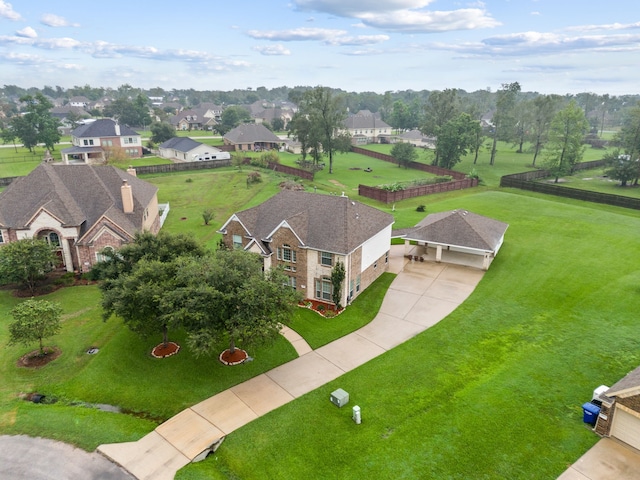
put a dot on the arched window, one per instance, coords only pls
(52, 238)
(103, 255)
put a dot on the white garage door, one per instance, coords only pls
(626, 427)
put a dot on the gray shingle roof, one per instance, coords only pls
(105, 127)
(182, 144)
(322, 222)
(629, 384)
(457, 227)
(78, 195)
(365, 119)
(251, 133)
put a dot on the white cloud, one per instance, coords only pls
(27, 32)
(296, 34)
(23, 58)
(358, 40)
(7, 11)
(272, 50)
(405, 16)
(52, 20)
(611, 26)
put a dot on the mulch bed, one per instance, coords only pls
(235, 358)
(164, 351)
(35, 360)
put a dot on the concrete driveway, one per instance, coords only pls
(606, 460)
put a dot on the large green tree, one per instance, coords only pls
(566, 136)
(326, 114)
(130, 112)
(544, 109)
(161, 132)
(628, 138)
(456, 138)
(404, 153)
(503, 118)
(232, 117)
(26, 262)
(34, 320)
(621, 167)
(36, 124)
(227, 295)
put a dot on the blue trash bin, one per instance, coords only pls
(590, 412)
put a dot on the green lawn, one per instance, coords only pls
(495, 389)
(594, 180)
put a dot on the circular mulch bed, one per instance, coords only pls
(35, 360)
(235, 358)
(163, 351)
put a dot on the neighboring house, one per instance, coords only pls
(79, 101)
(79, 209)
(456, 236)
(307, 234)
(188, 150)
(417, 139)
(366, 127)
(195, 119)
(269, 114)
(92, 142)
(252, 137)
(619, 415)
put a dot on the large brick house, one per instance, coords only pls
(79, 209)
(307, 234)
(93, 142)
(252, 137)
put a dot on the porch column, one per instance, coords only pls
(66, 253)
(438, 253)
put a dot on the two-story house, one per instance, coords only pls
(93, 142)
(366, 127)
(307, 234)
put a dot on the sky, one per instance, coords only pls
(548, 46)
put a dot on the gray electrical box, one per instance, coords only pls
(339, 398)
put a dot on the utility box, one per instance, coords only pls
(339, 398)
(356, 415)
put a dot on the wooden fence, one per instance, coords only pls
(387, 196)
(459, 182)
(526, 181)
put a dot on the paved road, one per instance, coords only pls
(27, 458)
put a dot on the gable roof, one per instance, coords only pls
(104, 127)
(181, 144)
(251, 133)
(627, 386)
(77, 195)
(457, 227)
(365, 119)
(322, 222)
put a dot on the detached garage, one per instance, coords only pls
(620, 413)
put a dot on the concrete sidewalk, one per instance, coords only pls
(606, 460)
(420, 296)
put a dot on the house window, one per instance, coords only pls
(1, 237)
(237, 241)
(104, 254)
(108, 143)
(88, 142)
(323, 288)
(286, 254)
(358, 283)
(291, 282)
(51, 238)
(351, 285)
(326, 259)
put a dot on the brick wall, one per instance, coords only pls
(603, 425)
(284, 236)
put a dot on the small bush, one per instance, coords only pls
(254, 177)
(189, 180)
(420, 208)
(329, 314)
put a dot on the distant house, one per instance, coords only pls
(79, 209)
(93, 141)
(195, 119)
(366, 127)
(79, 101)
(456, 236)
(252, 137)
(417, 139)
(186, 149)
(619, 416)
(307, 234)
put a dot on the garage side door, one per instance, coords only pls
(626, 427)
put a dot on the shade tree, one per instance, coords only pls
(565, 146)
(26, 262)
(34, 320)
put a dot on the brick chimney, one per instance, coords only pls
(127, 197)
(132, 171)
(117, 127)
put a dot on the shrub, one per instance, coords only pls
(254, 177)
(420, 208)
(189, 180)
